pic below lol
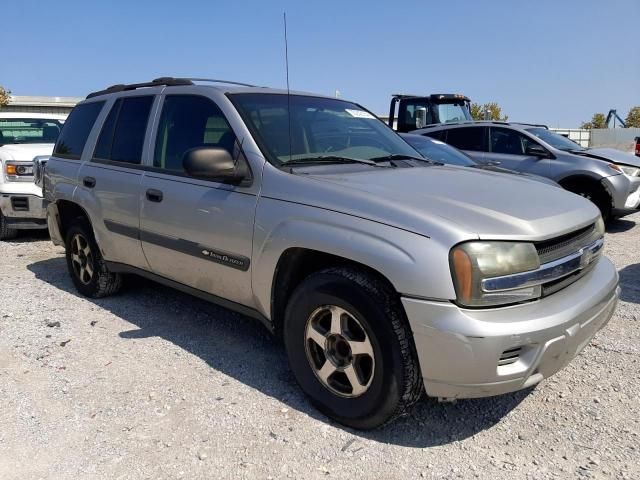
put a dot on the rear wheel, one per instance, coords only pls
(350, 348)
(6, 232)
(86, 266)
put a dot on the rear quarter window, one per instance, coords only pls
(76, 130)
(467, 138)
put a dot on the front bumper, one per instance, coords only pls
(625, 194)
(23, 211)
(467, 353)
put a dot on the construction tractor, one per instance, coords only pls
(410, 112)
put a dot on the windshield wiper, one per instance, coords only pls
(327, 159)
(398, 156)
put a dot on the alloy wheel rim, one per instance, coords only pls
(82, 258)
(339, 351)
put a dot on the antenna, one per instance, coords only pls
(286, 60)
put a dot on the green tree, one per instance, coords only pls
(597, 121)
(633, 117)
(4, 96)
(495, 112)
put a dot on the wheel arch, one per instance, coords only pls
(295, 265)
(67, 212)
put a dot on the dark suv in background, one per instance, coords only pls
(607, 177)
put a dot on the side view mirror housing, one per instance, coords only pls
(536, 151)
(213, 163)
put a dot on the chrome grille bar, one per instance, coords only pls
(547, 272)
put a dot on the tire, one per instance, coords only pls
(6, 232)
(87, 268)
(597, 196)
(388, 383)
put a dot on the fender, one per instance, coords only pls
(409, 261)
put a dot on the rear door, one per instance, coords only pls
(508, 147)
(197, 232)
(472, 140)
(110, 182)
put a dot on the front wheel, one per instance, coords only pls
(351, 349)
(6, 232)
(86, 266)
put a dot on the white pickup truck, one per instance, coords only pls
(24, 137)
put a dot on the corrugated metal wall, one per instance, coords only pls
(620, 138)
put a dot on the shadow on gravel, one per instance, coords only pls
(28, 236)
(630, 283)
(620, 225)
(242, 348)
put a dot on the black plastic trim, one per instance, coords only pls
(181, 245)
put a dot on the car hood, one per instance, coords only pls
(463, 201)
(25, 151)
(530, 176)
(611, 155)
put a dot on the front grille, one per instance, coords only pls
(550, 250)
(20, 204)
(509, 356)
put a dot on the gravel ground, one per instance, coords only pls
(156, 384)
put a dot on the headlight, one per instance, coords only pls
(629, 170)
(473, 262)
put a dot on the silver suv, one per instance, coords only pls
(609, 178)
(384, 274)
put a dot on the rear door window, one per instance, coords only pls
(122, 135)
(467, 138)
(438, 135)
(76, 130)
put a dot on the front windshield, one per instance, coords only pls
(319, 127)
(453, 112)
(29, 130)
(438, 151)
(554, 139)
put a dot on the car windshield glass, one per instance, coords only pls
(439, 151)
(29, 130)
(452, 112)
(554, 139)
(319, 127)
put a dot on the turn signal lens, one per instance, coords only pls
(11, 170)
(464, 274)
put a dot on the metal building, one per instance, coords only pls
(38, 104)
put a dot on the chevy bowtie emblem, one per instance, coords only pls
(585, 259)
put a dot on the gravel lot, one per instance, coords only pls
(156, 384)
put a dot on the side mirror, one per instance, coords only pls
(534, 150)
(213, 163)
(421, 117)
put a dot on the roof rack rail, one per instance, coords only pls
(162, 81)
(213, 80)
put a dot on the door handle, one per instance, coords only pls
(89, 182)
(154, 195)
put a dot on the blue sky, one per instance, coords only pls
(555, 62)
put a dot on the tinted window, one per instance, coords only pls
(508, 141)
(438, 151)
(468, 138)
(122, 136)
(438, 135)
(76, 130)
(189, 121)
